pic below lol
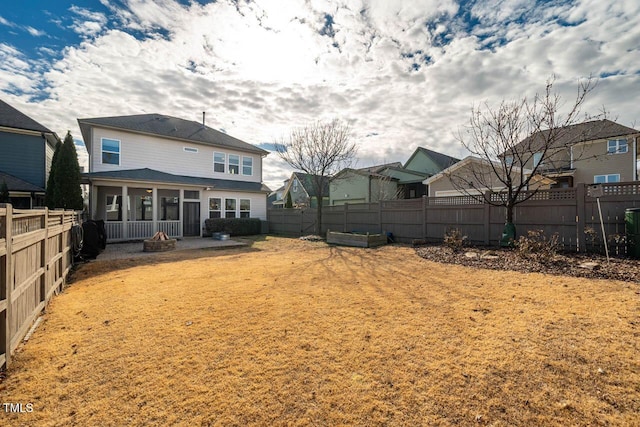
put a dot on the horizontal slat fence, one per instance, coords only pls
(35, 258)
(570, 212)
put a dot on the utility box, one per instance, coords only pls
(632, 231)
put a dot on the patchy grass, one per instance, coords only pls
(291, 332)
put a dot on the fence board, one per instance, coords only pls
(35, 259)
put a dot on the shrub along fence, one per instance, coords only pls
(571, 212)
(35, 258)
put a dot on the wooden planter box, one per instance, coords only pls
(360, 240)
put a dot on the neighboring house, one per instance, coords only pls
(422, 164)
(361, 186)
(303, 193)
(274, 199)
(599, 151)
(470, 176)
(27, 150)
(152, 172)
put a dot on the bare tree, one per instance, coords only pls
(514, 143)
(320, 149)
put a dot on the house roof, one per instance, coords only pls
(306, 180)
(580, 132)
(467, 160)
(169, 127)
(363, 172)
(442, 160)
(380, 168)
(17, 184)
(12, 118)
(154, 176)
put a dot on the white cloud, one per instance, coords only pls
(35, 32)
(403, 73)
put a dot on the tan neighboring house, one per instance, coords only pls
(599, 151)
(470, 176)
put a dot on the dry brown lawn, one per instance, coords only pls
(289, 332)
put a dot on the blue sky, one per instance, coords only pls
(403, 73)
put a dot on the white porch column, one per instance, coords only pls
(154, 207)
(93, 202)
(181, 212)
(125, 212)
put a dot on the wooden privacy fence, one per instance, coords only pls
(570, 212)
(35, 258)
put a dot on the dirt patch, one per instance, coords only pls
(292, 332)
(568, 264)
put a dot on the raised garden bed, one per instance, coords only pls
(360, 240)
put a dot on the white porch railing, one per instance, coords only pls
(138, 230)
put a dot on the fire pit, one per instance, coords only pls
(160, 242)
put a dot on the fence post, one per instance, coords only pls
(487, 218)
(8, 234)
(424, 217)
(44, 262)
(345, 208)
(580, 217)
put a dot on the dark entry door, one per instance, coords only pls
(191, 221)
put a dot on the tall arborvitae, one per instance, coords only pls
(49, 198)
(4, 192)
(65, 177)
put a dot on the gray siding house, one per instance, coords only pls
(27, 150)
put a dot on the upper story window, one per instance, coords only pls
(508, 160)
(247, 165)
(604, 179)
(295, 185)
(234, 164)
(617, 146)
(536, 159)
(219, 162)
(110, 151)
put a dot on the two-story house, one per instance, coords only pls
(300, 186)
(598, 151)
(152, 172)
(27, 149)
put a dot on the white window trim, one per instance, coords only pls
(240, 211)
(242, 166)
(119, 153)
(221, 210)
(223, 163)
(617, 146)
(229, 164)
(225, 210)
(607, 175)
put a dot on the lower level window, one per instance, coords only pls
(215, 207)
(245, 208)
(229, 208)
(604, 179)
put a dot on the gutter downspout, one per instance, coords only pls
(635, 160)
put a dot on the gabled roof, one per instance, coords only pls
(581, 132)
(306, 180)
(380, 168)
(362, 172)
(17, 184)
(467, 160)
(153, 176)
(443, 161)
(169, 127)
(12, 118)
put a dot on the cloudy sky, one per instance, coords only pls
(403, 73)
